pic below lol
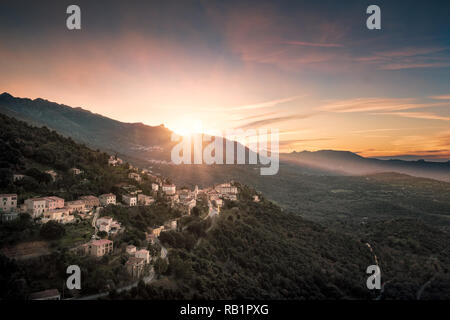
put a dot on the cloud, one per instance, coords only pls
(285, 143)
(417, 115)
(266, 104)
(442, 97)
(266, 122)
(377, 104)
(256, 116)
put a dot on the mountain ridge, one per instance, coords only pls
(141, 141)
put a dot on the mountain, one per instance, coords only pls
(345, 162)
(92, 129)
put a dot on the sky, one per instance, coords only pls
(311, 69)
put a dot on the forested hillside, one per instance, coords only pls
(31, 151)
(256, 251)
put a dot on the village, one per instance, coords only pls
(45, 209)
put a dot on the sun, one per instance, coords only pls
(186, 126)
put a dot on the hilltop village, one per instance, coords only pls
(99, 210)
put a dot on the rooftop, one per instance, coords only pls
(101, 242)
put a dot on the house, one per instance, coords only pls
(129, 200)
(18, 177)
(53, 202)
(134, 176)
(156, 231)
(61, 215)
(108, 224)
(107, 220)
(8, 203)
(114, 161)
(104, 227)
(155, 187)
(115, 227)
(99, 248)
(171, 225)
(5, 217)
(226, 188)
(256, 198)
(143, 254)
(169, 189)
(52, 173)
(185, 194)
(77, 205)
(106, 199)
(36, 206)
(135, 267)
(50, 294)
(145, 200)
(131, 249)
(52, 215)
(90, 201)
(230, 196)
(75, 171)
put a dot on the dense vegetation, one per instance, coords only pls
(257, 251)
(32, 151)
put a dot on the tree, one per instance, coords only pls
(52, 230)
(102, 234)
(160, 266)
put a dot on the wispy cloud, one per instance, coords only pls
(417, 115)
(441, 97)
(377, 130)
(377, 104)
(285, 143)
(267, 104)
(266, 122)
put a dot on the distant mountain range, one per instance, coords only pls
(346, 162)
(142, 142)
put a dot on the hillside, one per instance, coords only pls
(92, 129)
(31, 151)
(256, 251)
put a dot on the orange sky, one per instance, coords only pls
(322, 83)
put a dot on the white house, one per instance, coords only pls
(226, 188)
(8, 203)
(169, 189)
(134, 176)
(143, 254)
(76, 171)
(129, 200)
(106, 199)
(36, 206)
